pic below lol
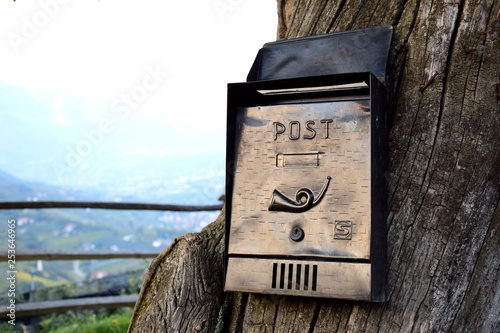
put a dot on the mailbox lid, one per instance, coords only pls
(361, 50)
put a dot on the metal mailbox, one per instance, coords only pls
(306, 187)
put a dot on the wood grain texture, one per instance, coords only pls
(444, 220)
(31, 255)
(182, 289)
(49, 307)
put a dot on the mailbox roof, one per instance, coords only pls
(363, 50)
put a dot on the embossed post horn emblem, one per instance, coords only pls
(304, 200)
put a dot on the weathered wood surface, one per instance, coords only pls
(444, 179)
(68, 255)
(105, 205)
(46, 307)
(182, 289)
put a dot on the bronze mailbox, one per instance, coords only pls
(306, 190)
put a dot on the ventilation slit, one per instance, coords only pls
(288, 278)
(282, 276)
(297, 278)
(275, 271)
(315, 277)
(306, 277)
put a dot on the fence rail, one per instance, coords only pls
(41, 308)
(107, 205)
(68, 255)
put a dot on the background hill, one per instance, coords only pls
(89, 230)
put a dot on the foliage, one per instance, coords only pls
(84, 322)
(7, 328)
(87, 321)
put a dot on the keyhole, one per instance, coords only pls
(297, 234)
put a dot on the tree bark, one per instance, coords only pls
(444, 220)
(182, 289)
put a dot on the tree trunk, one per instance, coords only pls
(444, 220)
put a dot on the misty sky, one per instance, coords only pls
(121, 77)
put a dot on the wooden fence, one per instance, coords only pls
(46, 307)
(50, 255)
(106, 205)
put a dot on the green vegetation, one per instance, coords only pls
(112, 321)
(87, 321)
(5, 327)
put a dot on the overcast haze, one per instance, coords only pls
(85, 82)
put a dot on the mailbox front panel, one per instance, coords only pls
(303, 166)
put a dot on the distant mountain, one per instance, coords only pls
(15, 189)
(191, 185)
(60, 140)
(88, 230)
(6, 179)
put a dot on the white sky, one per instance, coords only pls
(99, 50)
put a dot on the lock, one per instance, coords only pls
(297, 234)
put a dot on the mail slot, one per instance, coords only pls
(306, 193)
